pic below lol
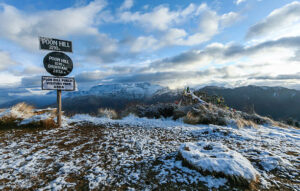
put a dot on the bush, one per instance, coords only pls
(22, 110)
(109, 113)
(201, 113)
(152, 111)
(8, 122)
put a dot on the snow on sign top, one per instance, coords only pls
(55, 44)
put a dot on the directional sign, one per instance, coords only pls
(55, 44)
(58, 83)
(58, 64)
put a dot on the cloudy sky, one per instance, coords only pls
(173, 43)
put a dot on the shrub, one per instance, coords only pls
(22, 110)
(152, 111)
(8, 122)
(109, 113)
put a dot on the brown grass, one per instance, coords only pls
(241, 123)
(109, 113)
(8, 122)
(24, 109)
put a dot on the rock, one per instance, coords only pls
(216, 159)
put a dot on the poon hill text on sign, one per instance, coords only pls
(55, 44)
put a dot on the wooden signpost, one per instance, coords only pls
(58, 64)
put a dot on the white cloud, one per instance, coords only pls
(173, 36)
(228, 19)
(100, 49)
(5, 61)
(188, 10)
(9, 80)
(33, 70)
(161, 18)
(272, 57)
(239, 1)
(90, 76)
(25, 28)
(127, 4)
(281, 22)
(206, 23)
(210, 24)
(144, 43)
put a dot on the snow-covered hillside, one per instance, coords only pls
(143, 154)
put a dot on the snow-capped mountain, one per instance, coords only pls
(124, 90)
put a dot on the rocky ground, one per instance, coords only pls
(90, 153)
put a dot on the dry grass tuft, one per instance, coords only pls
(8, 122)
(109, 113)
(204, 115)
(22, 110)
(191, 119)
(241, 123)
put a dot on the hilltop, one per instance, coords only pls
(232, 150)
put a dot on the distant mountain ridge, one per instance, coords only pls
(277, 102)
(124, 90)
(118, 97)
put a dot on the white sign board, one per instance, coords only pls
(58, 83)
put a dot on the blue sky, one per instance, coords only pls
(172, 43)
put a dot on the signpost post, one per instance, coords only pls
(59, 108)
(58, 64)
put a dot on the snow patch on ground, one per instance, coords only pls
(217, 158)
(36, 118)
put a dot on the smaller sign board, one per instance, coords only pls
(55, 44)
(58, 83)
(58, 63)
